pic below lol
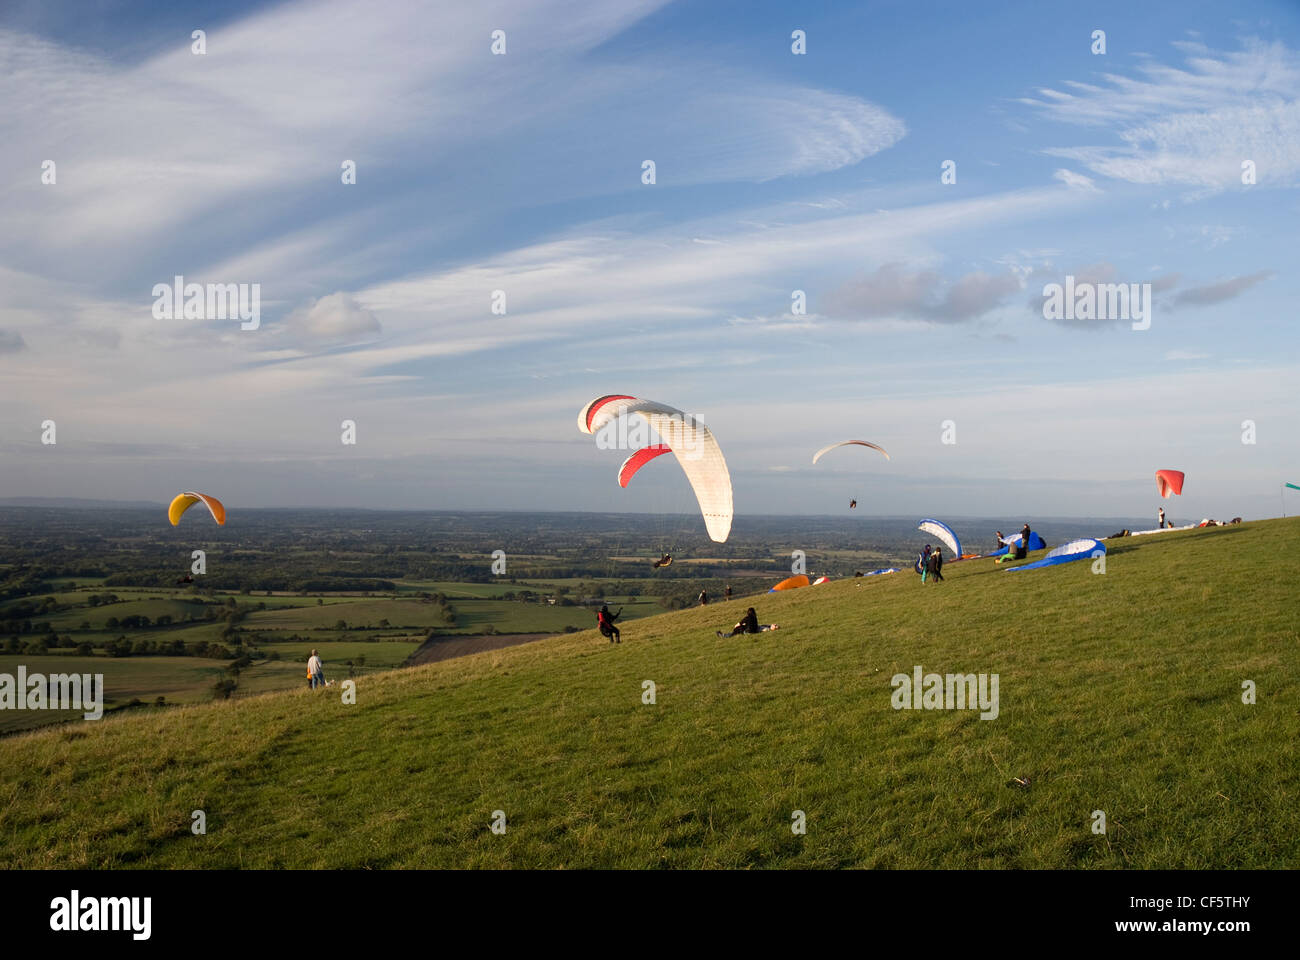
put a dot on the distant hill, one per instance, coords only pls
(1120, 691)
(76, 503)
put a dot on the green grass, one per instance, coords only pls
(384, 653)
(1119, 692)
(179, 679)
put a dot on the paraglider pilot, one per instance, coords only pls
(605, 622)
(663, 561)
(936, 565)
(748, 624)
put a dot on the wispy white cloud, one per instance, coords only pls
(1075, 181)
(1193, 125)
(1221, 291)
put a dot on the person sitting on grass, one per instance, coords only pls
(605, 621)
(749, 624)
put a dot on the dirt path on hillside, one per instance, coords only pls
(447, 648)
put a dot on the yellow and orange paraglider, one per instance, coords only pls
(186, 500)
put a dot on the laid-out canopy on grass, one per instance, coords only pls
(1065, 553)
(791, 583)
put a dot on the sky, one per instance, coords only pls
(130, 159)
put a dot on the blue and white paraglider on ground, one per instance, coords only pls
(1066, 553)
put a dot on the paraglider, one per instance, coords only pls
(664, 561)
(849, 443)
(184, 501)
(1012, 543)
(853, 502)
(690, 441)
(1066, 553)
(792, 583)
(943, 532)
(1169, 483)
(638, 460)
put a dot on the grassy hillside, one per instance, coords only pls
(1118, 692)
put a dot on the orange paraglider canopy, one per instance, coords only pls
(1169, 482)
(186, 500)
(791, 583)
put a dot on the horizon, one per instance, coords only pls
(80, 503)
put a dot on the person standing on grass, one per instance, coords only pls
(605, 621)
(704, 598)
(315, 671)
(727, 592)
(1161, 517)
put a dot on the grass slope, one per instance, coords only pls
(1119, 692)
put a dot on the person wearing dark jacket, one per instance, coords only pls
(936, 565)
(1023, 550)
(605, 622)
(748, 624)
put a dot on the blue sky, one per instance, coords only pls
(774, 173)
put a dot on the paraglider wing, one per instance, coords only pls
(944, 533)
(184, 501)
(847, 443)
(1074, 550)
(791, 583)
(1169, 482)
(1293, 486)
(693, 444)
(638, 460)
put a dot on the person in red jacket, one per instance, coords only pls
(605, 621)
